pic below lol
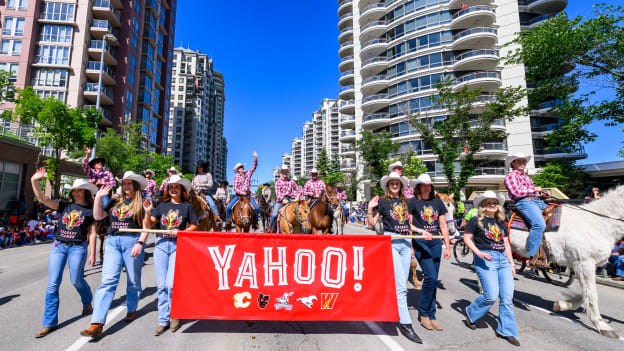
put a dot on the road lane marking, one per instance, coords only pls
(385, 338)
(85, 339)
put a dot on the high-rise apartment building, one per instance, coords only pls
(61, 46)
(394, 51)
(197, 111)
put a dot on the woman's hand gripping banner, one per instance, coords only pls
(242, 276)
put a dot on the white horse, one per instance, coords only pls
(338, 220)
(584, 240)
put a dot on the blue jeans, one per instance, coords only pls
(345, 209)
(617, 264)
(60, 254)
(164, 264)
(274, 213)
(211, 203)
(117, 254)
(228, 210)
(497, 281)
(532, 212)
(401, 257)
(428, 253)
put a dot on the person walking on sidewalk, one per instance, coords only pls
(70, 246)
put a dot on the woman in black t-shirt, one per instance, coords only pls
(428, 214)
(173, 213)
(393, 212)
(70, 246)
(122, 249)
(485, 235)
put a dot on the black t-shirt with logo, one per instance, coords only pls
(174, 216)
(122, 217)
(394, 216)
(426, 214)
(74, 223)
(491, 237)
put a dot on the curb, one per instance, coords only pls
(610, 282)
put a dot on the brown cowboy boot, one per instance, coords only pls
(540, 261)
(45, 331)
(94, 331)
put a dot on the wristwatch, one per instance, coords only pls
(141, 242)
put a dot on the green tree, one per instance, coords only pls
(463, 131)
(57, 126)
(412, 164)
(594, 47)
(334, 174)
(301, 181)
(7, 91)
(563, 174)
(375, 149)
(121, 150)
(323, 164)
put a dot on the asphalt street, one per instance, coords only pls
(23, 278)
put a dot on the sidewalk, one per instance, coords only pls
(610, 282)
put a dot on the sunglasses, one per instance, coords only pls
(491, 204)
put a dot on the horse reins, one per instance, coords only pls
(593, 212)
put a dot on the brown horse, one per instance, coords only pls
(265, 213)
(243, 214)
(321, 211)
(294, 218)
(207, 218)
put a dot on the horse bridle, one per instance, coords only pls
(301, 221)
(240, 217)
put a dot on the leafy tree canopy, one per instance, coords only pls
(375, 149)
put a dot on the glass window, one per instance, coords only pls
(129, 99)
(55, 33)
(130, 79)
(11, 47)
(13, 26)
(132, 62)
(50, 77)
(17, 5)
(55, 55)
(12, 68)
(60, 95)
(421, 23)
(57, 11)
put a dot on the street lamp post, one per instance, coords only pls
(112, 38)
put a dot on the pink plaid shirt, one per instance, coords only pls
(519, 185)
(94, 175)
(341, 195)
(286, 187)
(314, 187)
(408, 192)
(241, 181)
(151, 187)
(163, 185)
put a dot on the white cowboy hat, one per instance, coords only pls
(509, 159)
(488, 194)
(238, 165)
(150, 172)
(314, 170)
(394, 165)
(84, 184)
(137, 178)
(176, 179)
(173, 170)
(284, 168)
(422, 179)
(394, 175)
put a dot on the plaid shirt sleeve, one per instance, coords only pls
(162, 186)
(342, 195)
(408, 192)
(88, 170)
(151, 186)
(107, 178)
(285, 188)
(519, 185)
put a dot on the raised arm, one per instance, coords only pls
(98, 210)
(39, 174)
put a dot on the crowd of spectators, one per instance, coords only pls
(358, 213)
(18, 231)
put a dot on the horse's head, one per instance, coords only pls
(302, 213)
(449, 203)
(331, 193)
(244, 210)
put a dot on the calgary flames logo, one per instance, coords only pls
(399, 214)
(122, 212)
(429, 214)
(171, 220)
(494, 232)
(73, 219)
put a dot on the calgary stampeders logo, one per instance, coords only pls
(399, 213)
(122, 212)
(171, 220)
(429, 214)
(494, 232)
(73, 219)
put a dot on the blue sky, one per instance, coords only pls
(279, 60)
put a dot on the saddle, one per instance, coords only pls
(551, 214)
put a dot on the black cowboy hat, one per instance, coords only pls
(97, 159)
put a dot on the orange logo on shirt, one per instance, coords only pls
(73, 219)
(172, 219)
(399, 214)
(122, 212)
(429, 214)
(494, 232)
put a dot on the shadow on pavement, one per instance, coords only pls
(8, 298)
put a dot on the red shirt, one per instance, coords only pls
(314, 187)
(94, 175)
(241, 181)
(519, 185)
(286, 187)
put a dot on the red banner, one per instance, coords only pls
(243, 276)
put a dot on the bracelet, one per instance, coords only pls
(142, 243)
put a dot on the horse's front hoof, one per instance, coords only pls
(609, 334)
(556, 307)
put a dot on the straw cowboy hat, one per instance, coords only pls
(84, 184)
(394, 175)
(422, 179)
(150, 172)
(135, 177)
(394, 165)
(488, 194)
(176, 179)
(238, 165)
(172, 170)
(509, 159)
(95, 160)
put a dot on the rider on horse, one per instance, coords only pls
(398, 167)
(94, 169)
(341, 196)
(152, 187)
(202, 184)
(286, 189)
(171, 172)
(241, 188)
(266, 192)
(313, 188)
(528, 200)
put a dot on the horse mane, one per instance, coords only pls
(609, 204)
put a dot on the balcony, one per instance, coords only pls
(374, 84)
(457, 4)
(373, 48)
(346, 49)
(347, 136)
(492, 150)
(477, 60)
(346, 34)
(373, 30)
(535, 21)
(548, 108)
(91, 93)
(347, 152)
(557, 153)
(347, 167)
(347, 121)
(345, 6)
(346, 78)
(103, 9)
(486, 81)
(479, 104)
(480, 37)
(544, 6)
(346, 64)
(372, 13)
(96, 48)
(93, 72)
(347, 107)
(106, 113)
(346, 20)
(373, 66)
(489, 172)
(99, 28)
(347, 92)
(375, 102)
(475, 16)
(376, 120)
